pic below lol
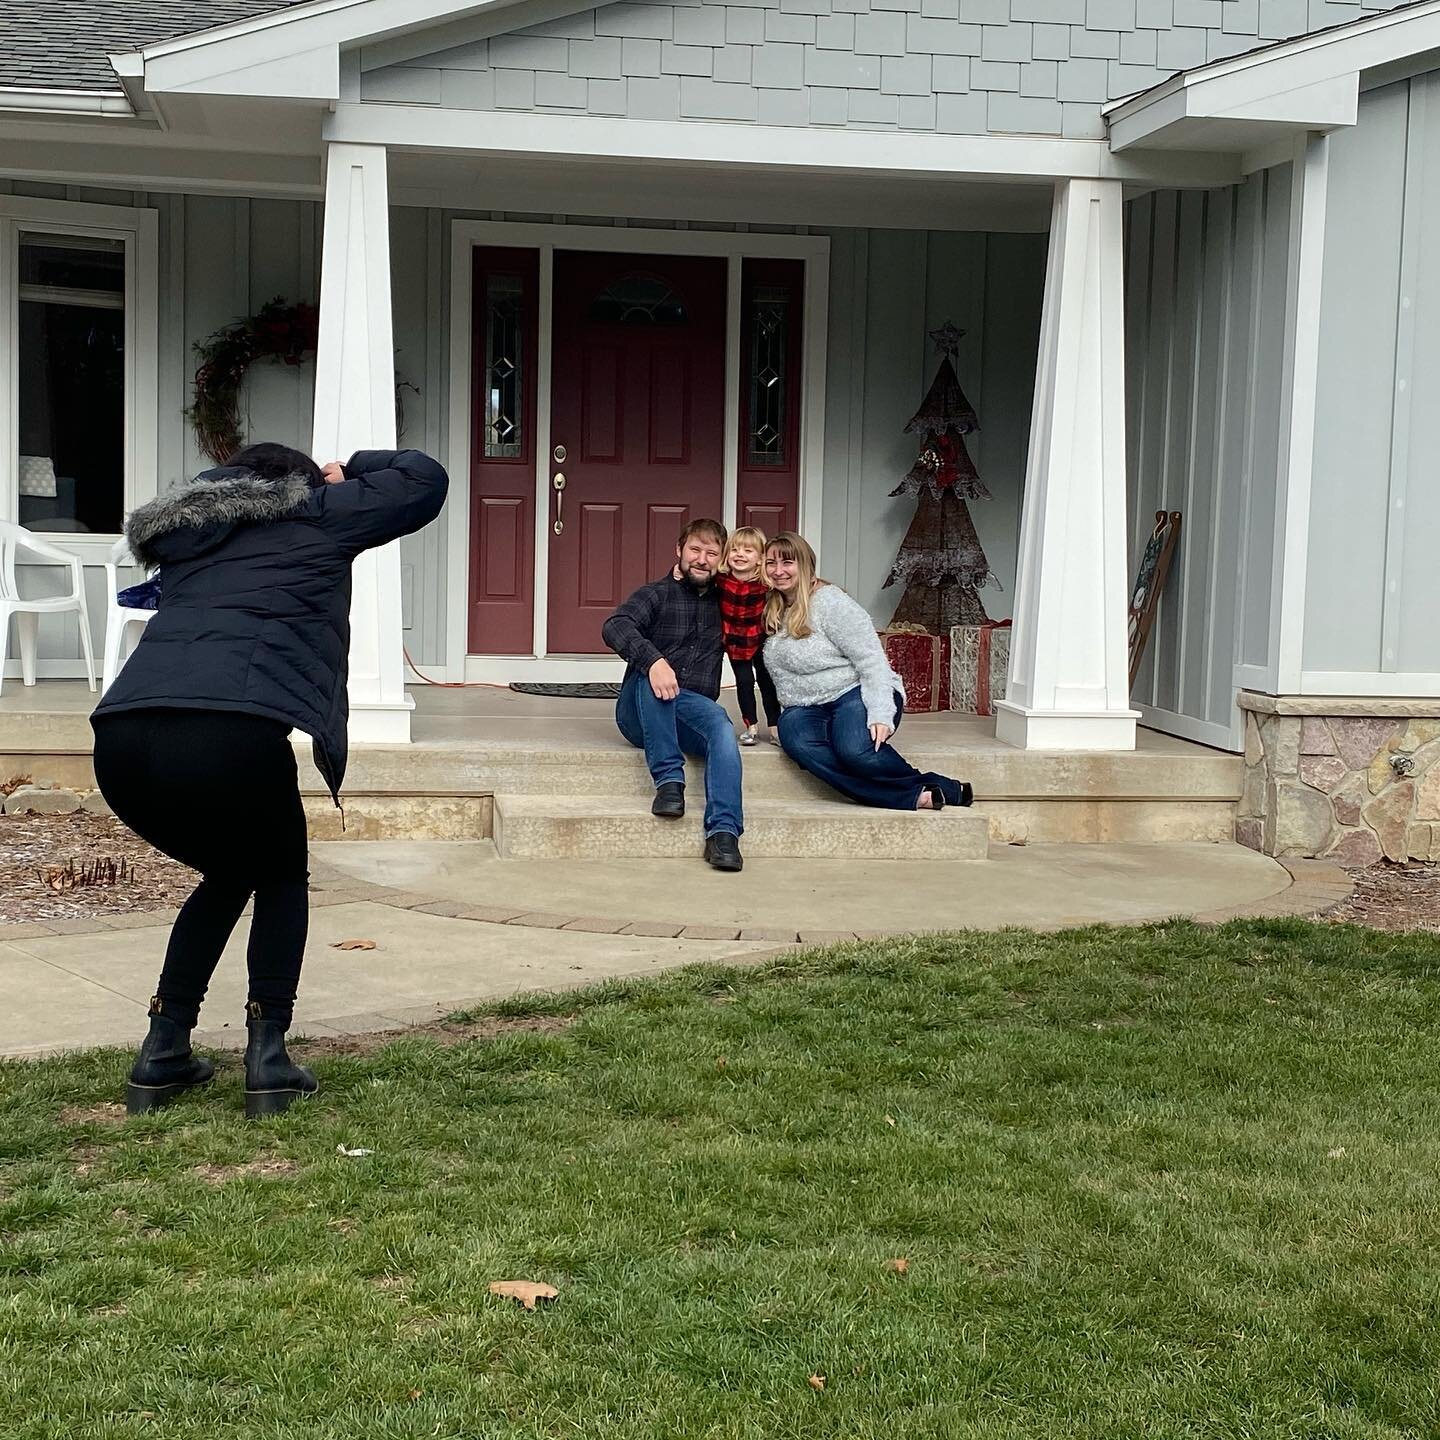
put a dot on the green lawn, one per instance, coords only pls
(1170, 1182)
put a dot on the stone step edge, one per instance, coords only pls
(1316, 886)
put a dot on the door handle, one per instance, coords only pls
(559, 483)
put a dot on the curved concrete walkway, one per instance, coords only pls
(1039, 886)
(468, 928)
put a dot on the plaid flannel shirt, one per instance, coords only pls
(671, 620)
(742, 611)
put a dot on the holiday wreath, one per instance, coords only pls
(277, 332)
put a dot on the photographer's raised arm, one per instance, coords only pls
(385, 494)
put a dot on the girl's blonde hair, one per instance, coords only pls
(747, 535)
(794, 618)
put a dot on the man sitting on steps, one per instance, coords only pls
(668, 634)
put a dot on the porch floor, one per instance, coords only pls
(495, 716)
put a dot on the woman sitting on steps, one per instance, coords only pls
(842, 701)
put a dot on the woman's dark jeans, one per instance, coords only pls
(833, 741)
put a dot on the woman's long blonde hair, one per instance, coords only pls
(793, 618)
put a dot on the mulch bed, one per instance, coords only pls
(34, 847)
(1393, 897)
(1387, 897)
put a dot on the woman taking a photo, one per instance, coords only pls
(192, 749)
(842, 701)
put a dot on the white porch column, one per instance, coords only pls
(355, 410)
(1069, 683)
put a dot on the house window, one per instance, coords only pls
(638, 300)
(79, 347)
(504, 367)
(70, 359)
(768, 376)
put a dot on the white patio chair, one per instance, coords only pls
(15, 539)
(123, 625)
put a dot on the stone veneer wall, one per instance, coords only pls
(1347, 780)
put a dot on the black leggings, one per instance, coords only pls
(747, 674)
(218, 792)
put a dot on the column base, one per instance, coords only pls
(1028, 729)
(374, 723)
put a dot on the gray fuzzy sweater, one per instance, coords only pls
(841, 652)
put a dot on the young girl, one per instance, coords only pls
(742, 604)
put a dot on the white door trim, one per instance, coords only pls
(733, 246)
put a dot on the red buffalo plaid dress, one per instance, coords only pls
(742, 610)
(742, 604)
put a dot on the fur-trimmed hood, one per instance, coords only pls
(192, 519)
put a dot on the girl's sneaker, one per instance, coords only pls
(748, 737)
(773, 736)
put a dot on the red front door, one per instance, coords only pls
(637, 427)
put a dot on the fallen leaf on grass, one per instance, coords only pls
(352, 945)
(353, 1154)
(414, 1395)
(817, 1382)
(899, 1266)
(890, 1120)
(527, 1292)
(1337, 1153)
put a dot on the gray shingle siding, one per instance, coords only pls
(65, 44)
(1034, 67)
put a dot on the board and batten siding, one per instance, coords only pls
(1373, 584)
(888, 290)
(1205, 322)
(220, 259)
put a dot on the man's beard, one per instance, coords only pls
(698, 582)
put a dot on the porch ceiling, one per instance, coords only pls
(548, 185)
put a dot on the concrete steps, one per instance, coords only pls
(600, 827)
(450, 784)
(1165, 794)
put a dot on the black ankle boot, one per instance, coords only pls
(165, 1067)
(273, 1081)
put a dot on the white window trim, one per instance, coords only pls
(813, 250)
(139, 231)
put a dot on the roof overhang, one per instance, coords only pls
(296, 53)
(1253, 101)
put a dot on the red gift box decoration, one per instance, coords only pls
(922, 661)
(979, 665)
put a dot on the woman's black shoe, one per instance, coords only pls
(956, 792)
(165, 1067)
(722, 851)
(937, 797)
(273, 1082)
(669, 803)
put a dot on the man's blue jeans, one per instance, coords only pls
(690, 724)
(833, 742)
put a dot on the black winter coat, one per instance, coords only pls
(254, 609)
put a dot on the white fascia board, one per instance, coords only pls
(424, 128)
(86, 103)
(1312, 82)
(246, 45)
(483, 24)
(1186, 115)
(309, 75)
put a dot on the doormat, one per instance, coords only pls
(602, 690)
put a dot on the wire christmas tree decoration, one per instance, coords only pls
(941, 562)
